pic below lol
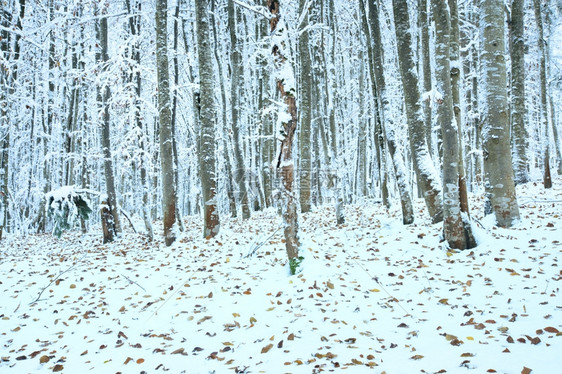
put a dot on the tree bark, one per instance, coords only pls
(285, 162)
(235, 93)
(382, 101)
(207, 120)
(453, 223)
(543, 109)
(105, 134)
(425, 171)
(165, 121)
(305, 102)
(498, 171)
(518, 128)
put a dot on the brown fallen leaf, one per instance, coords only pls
(57, 368)
(129, 359)
(140, 360)
(44, 359)
(178, 351)
(416, 357)
(266, 348)
(552, 330)
(526, 370)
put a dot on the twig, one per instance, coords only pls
(57, 277)
(132, 281)
(128, 219)
(262, 11)
(259, 245)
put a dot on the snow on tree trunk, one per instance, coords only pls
(427, 178)
(498, 171)
(543, 102)
(115, 225)
(305, 92)
(207, 120)
(518, 128)
(387, 125)
(285, 78)
(453, 225)
(235, 92)
(165, 120)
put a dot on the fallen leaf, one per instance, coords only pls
(44, 359)
(57, 368)
(266, 348)
(526, 370)
(416, 357)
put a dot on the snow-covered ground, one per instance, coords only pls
(373, 295)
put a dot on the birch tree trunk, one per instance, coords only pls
(426, 174)
(165, 120)
(207, 120)
(498, 171)
(285, 78)
(518, 128)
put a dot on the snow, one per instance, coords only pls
(372, 293)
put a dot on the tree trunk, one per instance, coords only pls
(453, 224)
(498, 171)
(105, 135)
(235, 93)
(543, 102)
(305, 102)
(207, 120)
(165, 121)
(424, 30)
(285, 162)
(387, 126)
(423, 165)
(518, 128)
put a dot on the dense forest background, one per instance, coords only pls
(159, 110)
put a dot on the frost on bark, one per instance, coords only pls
(427, 178)
(453, 224)
(114, 226)
(518, 128)
(207, 120)
(165, 119)
(285, 84)
(498, 171)
(426, 61)
(305, 88)
(543, 103)
(383, 103)
(236, 68)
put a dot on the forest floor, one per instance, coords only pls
(373, 296)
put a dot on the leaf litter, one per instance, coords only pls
(372, 295)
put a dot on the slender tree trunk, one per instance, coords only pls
(285, 162)
(543, 102)
(518, 128)
(175, 112)
(424, 30)
(114, 226)
(165, 121)
(207, 120)
(305, 93)
(423, 165)
(498, 171)
(235, 93)
(453, 224)
(382, 101)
